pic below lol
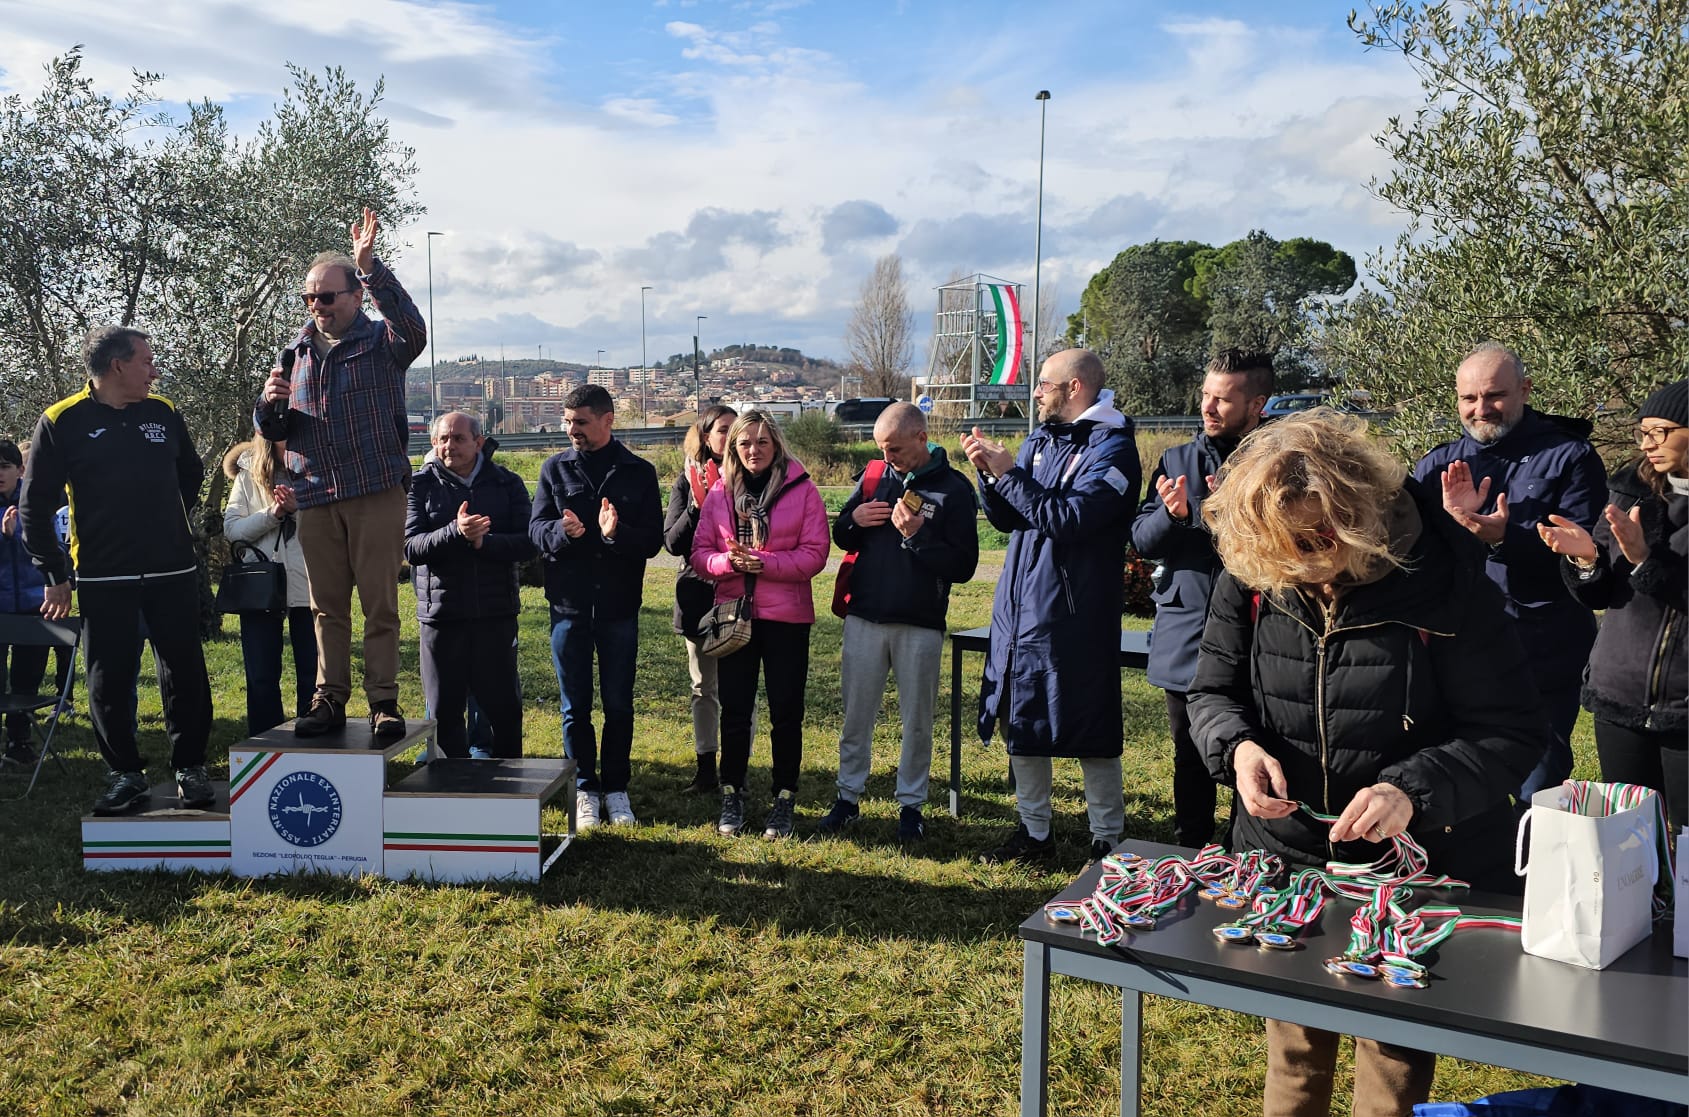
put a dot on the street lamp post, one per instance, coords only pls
(433, 397)
(1043, 100)
(644, 362)
(697, 377)
(598, 362)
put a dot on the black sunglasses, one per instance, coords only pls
(325, 297)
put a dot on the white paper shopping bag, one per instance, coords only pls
(1595, 858)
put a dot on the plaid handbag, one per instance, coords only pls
(727, 626)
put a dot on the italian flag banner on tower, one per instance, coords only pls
(1005, 369)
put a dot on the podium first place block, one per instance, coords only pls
(463, 820)
(165, 836)
(311, 804)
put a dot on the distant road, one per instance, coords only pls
(854, 432)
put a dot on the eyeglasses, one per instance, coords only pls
(325, 297)
(1046, 385)
(1323, 539)
(1654, 436)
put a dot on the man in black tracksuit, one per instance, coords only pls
(126, 460)
(915, 531)
(466, 536)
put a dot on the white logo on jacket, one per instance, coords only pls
(155, 432)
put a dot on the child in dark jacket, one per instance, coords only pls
(21, 668)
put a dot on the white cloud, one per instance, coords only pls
(751, 177)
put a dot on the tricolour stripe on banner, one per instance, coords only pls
(429, 847)
(156, 854)
(461, 843)
(182, 843)
(1005, 368)
(459, 837)
(247, 776)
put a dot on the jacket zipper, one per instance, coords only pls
(1320, 644)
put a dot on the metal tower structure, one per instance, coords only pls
(979, 348)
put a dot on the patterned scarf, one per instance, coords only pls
(753, 510)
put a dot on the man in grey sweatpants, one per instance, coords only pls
(912, 524)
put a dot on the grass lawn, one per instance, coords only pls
(656, 970)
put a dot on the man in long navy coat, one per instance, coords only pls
(1052, 677)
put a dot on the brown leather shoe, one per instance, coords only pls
(385, 719)
(325, 716)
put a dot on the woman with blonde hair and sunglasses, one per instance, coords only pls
(1356, 663)
(765, 520)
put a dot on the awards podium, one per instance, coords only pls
(323, 805)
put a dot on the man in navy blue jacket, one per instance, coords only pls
(466, 536)
(1169, 529)
(1513, 469)
(598, 516)
(1052, 673)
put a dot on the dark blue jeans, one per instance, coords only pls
(574, 640)
(261, 652)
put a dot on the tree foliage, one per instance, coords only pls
(880, 336)
(112, 212)
(1547, 185)
(1157, 310)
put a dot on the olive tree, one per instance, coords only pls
(1545, 183)
(111, 212)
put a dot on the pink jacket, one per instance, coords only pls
(795, 552)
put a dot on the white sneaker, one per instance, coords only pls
(620, 810)
(586, 810)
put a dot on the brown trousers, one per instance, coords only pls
(356, 543)
(1389, 1080)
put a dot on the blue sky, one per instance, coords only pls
(749, 160)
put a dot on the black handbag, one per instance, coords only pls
(252, 582)
(727, 626)
(694, 597)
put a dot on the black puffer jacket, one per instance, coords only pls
(454, 580)
(1638, 671)
(693, 593)
(1417, 680)
(907, 581)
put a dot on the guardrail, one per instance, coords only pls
(551, 441)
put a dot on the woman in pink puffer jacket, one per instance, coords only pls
(765, 518)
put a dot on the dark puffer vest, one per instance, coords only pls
(1417, 680)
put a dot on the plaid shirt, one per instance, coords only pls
(346, 427)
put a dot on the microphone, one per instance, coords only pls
(278, 409)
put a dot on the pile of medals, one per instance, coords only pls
(1385, 934)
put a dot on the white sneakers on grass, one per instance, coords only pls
(620, 810)
(589, 812)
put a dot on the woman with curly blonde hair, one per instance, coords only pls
(1357, 661)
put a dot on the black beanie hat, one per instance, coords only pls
(1670, 402)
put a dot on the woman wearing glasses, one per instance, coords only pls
(1634, 567)
(1356, 661)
